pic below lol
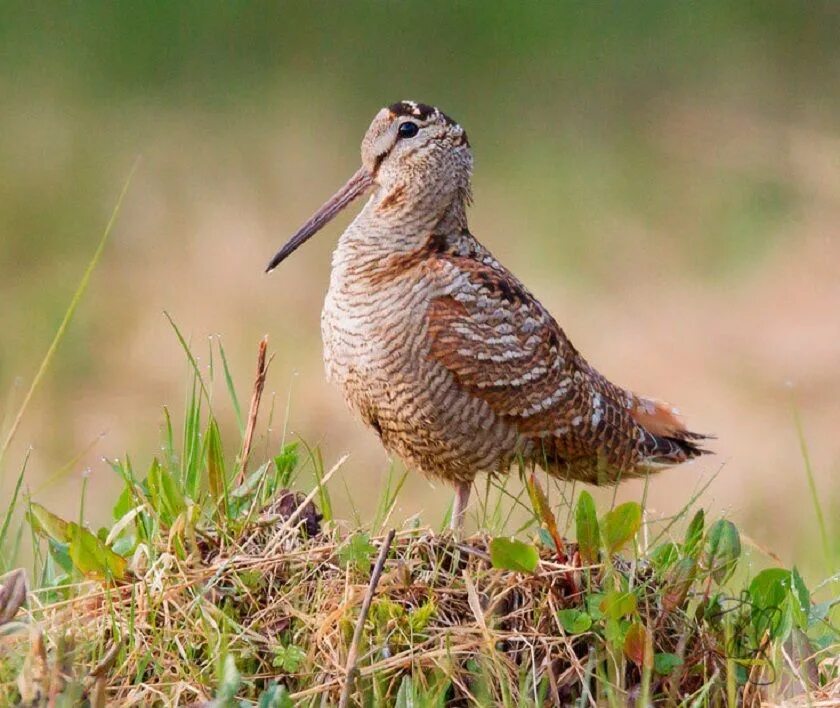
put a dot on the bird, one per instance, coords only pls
(443, 352)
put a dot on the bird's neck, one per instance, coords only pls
(401, 218)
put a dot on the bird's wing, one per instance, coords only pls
(504, 347)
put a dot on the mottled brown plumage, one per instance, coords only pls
(443, 352)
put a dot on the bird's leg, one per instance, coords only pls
(459, 507)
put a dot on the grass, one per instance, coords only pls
(226, 579)
(205, 589)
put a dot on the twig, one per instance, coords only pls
(256, 396)
(352, 655)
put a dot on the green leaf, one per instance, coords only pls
(768, 593)
(164, 493)
(92, 557)
(574, 621)
(621, 525)
(586, 529)
(722, 550)
(124, 504)
(800, 599)
(664, 663)
(593, 605)
(60, 553)
(618, 604)
(47, 524)
(288, 658)
(511, 554)
(694, 534)
(357, 551)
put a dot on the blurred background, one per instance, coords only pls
(664, 176)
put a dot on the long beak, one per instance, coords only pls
(357, 185)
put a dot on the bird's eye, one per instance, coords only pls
(408, 129)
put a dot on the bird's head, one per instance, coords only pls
(410, 148)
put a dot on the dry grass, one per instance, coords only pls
(282, 599)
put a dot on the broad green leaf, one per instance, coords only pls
(60, 553)
(768, 593)
(124, 503)
(586, 529)
(511, 554)
(722, 550)
(166, 497)
(694, 534)
(621, 525)
(92, 557)
(574, 621)
(47, 524)
(617, 604)
(664, 663)
(593, 605)
(677, 584)
(638, 645)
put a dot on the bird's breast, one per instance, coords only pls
(373, 323)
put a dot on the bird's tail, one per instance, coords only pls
(666, 440)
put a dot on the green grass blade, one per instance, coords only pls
(812, 487)
(190, 357)
(192, 449)
(231, 388)
(68, 316)
(4, 562)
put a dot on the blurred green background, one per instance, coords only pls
(665, 176)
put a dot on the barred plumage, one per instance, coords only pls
(440, 349)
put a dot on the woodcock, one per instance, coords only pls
(443, 352)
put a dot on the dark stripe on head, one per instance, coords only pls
(423, 111)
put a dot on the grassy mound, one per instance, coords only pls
(218, 584)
